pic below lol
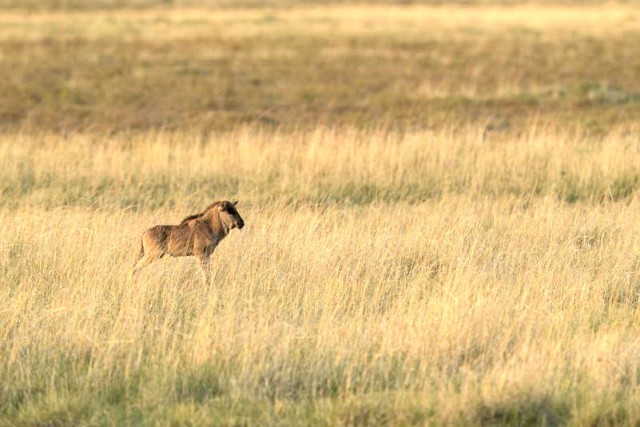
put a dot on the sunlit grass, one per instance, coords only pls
(474, 308)
(502, 296)
(409, 21)
(323, 167)
(441, 207)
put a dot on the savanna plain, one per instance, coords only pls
(441, 207)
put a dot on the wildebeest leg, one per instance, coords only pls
(143, 262)
(204, 265)
(203, 248)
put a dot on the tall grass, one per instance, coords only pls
(498, 300)
(158, 169)
(441, 207)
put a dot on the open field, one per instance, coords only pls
(407, 67)
(441, 206)
(380, 278)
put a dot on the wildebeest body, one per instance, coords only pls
(197, 235)
(178, 240)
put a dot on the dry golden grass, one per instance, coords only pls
(441, 208)
(488, 299)
(410, 21)
(324, 166)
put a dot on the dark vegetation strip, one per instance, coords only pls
(214, 83)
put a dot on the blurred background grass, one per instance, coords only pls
(407, 67)
(138, 4)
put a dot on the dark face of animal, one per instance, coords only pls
(230, 216)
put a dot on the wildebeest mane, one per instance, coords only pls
(198, 215)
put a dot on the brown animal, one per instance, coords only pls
(197, 234)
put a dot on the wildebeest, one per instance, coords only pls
(197, 234)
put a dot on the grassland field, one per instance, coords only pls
(441, 205)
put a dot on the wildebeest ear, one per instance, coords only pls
(235, 203)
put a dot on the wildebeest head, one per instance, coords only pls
(229, 215)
